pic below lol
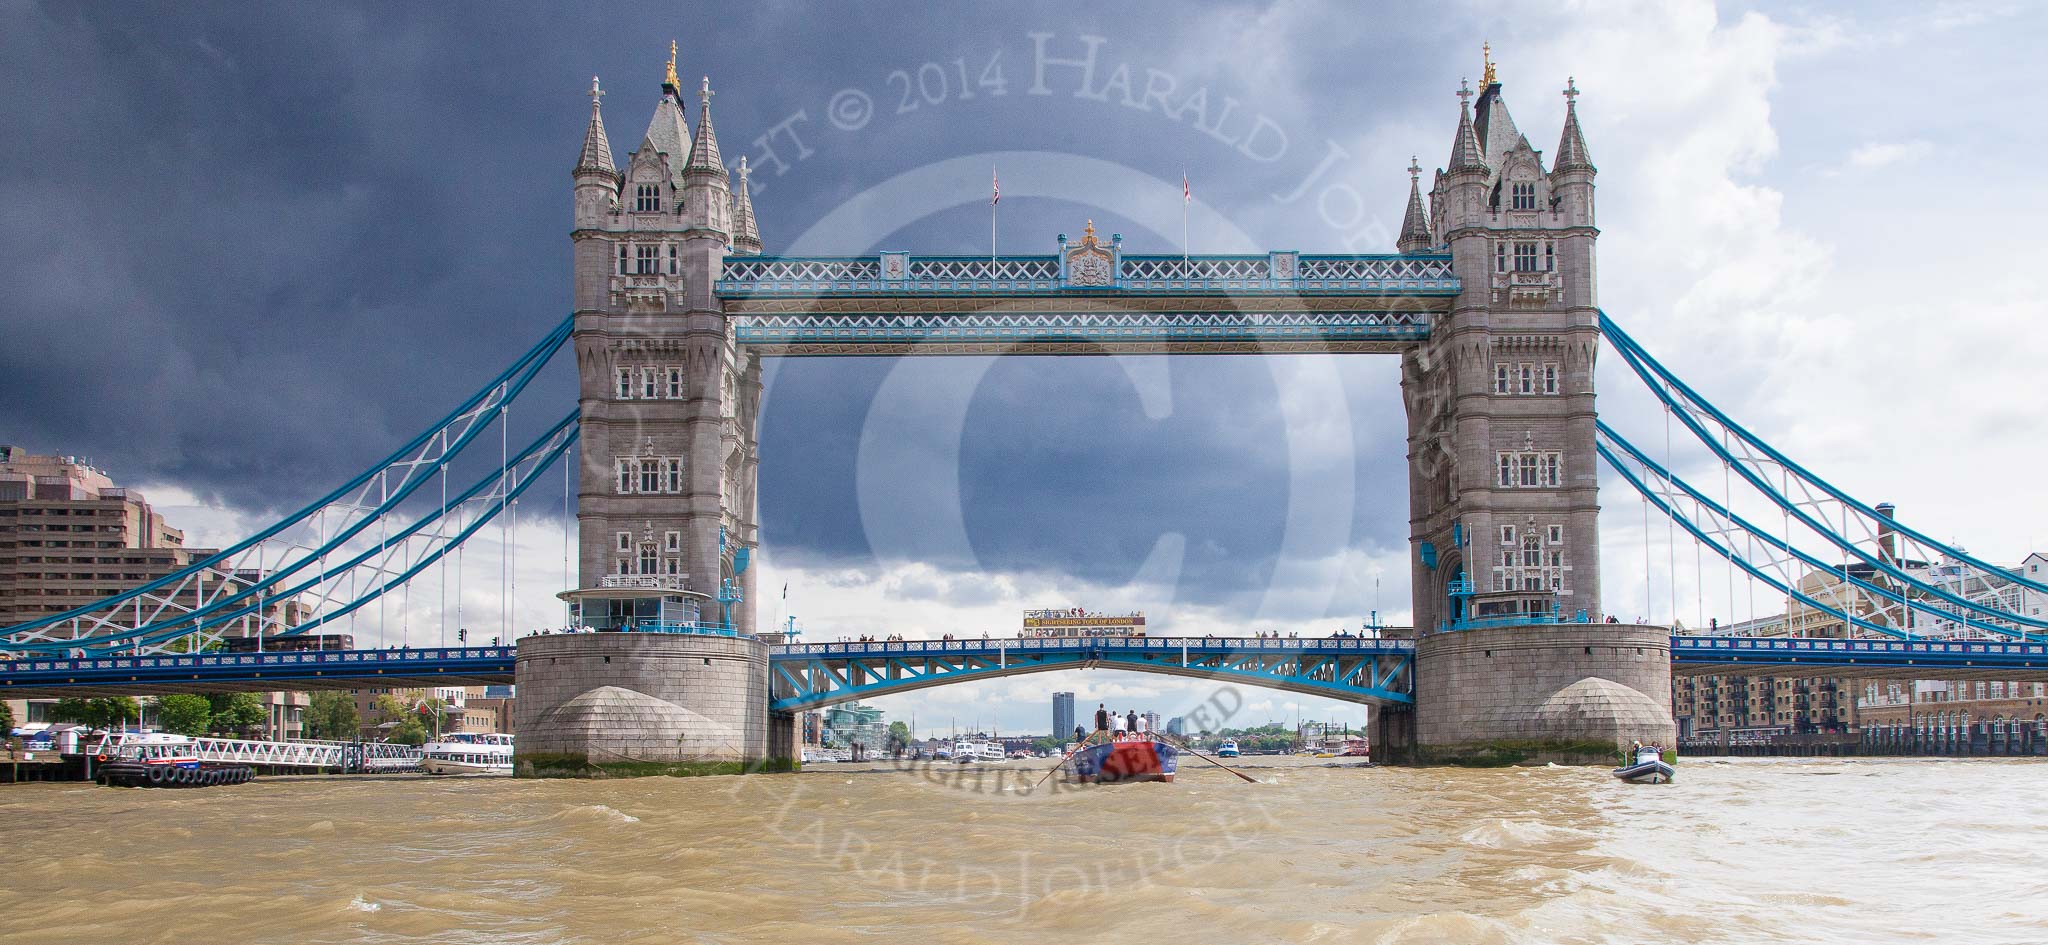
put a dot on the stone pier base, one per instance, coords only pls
(597, 705)
(1565, 693)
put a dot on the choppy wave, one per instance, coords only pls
(1503, 834)
(1311, 855)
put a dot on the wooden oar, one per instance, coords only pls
(1248, 778)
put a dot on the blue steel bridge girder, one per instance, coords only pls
(810, 676)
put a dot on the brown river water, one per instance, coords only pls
(1737, 851)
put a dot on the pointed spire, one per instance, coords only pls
(746, 238)
(1415, 223)
(1571, 147)
(597, 149)
(668, 133)
(1490, 119)
(704, 147)
(1465, 153)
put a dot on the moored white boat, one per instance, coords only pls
(468, 753)
(978, 752)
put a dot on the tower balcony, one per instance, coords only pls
(644, 290)
(1527, 289)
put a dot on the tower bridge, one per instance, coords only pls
(1489, 303)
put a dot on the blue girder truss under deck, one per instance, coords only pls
(807, 676)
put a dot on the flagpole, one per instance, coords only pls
(1186, 196)
(995, 197)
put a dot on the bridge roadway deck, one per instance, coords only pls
(477, 666)
(255, 672)
(1352, 669)
(1861, 659)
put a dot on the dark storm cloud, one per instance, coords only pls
(246, 250)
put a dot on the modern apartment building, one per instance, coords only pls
(1062, 714)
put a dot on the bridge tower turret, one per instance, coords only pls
(1503, 475)
(1503, 472)
(666, 504)
(666, 499)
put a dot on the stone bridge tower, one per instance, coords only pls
(666, 503)
(1503, 475)
(668, 400)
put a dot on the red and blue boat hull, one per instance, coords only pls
(1125, 761)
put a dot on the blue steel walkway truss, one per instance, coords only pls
(899, 304)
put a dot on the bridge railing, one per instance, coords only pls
(371, 756)
(1339, 645)
(285, 658)
(1687, 645)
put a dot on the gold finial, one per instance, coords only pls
(673, 82)
(1088, 235)
(1486, 54)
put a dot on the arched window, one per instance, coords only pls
(1523, 194)
(647, 199)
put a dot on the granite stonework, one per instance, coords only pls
(1503, 470)
(613, 704)
(1571, 693)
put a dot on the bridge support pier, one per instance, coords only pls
(598, 705)
(1572, 693)
(1391, 732)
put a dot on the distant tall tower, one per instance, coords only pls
(1503, 475)
(668, 400)
(1062, 714)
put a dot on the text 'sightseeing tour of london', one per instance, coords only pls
(1081, 473)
